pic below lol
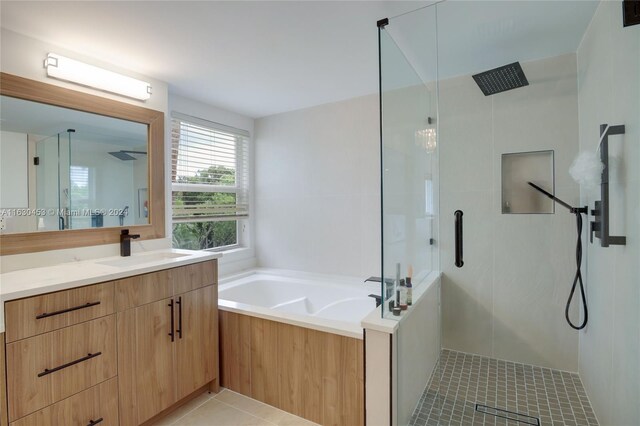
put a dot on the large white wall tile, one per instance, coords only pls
(467, 292)
(318, 189)
(508, 300)
(609, 92)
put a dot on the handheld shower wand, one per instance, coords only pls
(578, 211)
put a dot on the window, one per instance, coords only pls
(210, 183)
(79, 177)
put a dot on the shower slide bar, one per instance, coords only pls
(600, 226)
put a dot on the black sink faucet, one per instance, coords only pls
(125, 242)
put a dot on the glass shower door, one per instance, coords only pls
(409, 175)
(52, 182)
(47, 183)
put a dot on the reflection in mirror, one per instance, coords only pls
(67, 169)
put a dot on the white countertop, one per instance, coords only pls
(35, 281)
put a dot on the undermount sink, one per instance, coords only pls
(139, 259)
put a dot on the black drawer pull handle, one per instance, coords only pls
(95, 422)
(69, 364)
(458, 238)
(64, 311)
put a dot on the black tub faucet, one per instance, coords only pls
(125, 242)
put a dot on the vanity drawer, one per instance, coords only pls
(142, 289)
(98, 404)
(40, 314)
(45, 369)
(192, 277)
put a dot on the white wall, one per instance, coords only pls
(14, 190)
(609, 92)
(23, 56)
(508, 299)
(317, 189)
(111, 181)
(13, 160)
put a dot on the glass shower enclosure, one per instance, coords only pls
(478, 101)
(52, 181)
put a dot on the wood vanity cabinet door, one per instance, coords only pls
(142, 289)
(195, 276)
(155, 374)
(197, 341)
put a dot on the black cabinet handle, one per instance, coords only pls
(64, 311)
(95, 422)
(171, 333)
(458, 237)
(179, 302)
(69, 364)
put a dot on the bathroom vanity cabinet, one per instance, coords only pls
(118, 352)
(167, 338)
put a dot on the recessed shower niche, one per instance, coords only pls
(520, 168)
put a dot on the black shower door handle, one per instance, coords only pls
(458, 237)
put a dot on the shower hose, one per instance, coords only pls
(577, 280)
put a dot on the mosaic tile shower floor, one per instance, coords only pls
(549, 397)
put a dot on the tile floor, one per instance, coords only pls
(228, 408)
(553, 397)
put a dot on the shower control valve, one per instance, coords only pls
(594, 228)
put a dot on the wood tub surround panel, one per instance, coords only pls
(343, 381)
(312, 374)
(235, 352)
(264, 361)
(93, 404)
(31, 387)
(300, 386)
(53, 311)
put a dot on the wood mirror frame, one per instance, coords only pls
(31, 90)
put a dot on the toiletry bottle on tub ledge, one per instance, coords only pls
(403, 295)
(409, 286)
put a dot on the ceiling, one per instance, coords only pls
(260, 58)
(475, 36)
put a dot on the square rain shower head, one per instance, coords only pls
(501, 79)
(122, 155)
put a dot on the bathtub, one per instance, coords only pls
(326, 303)
(295, 341)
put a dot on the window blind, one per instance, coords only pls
(209, 170)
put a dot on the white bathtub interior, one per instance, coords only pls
(325, 302)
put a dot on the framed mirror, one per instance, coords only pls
(76, 168)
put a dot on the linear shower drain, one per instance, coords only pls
(510, 415)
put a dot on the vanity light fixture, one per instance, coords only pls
(63, 68)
